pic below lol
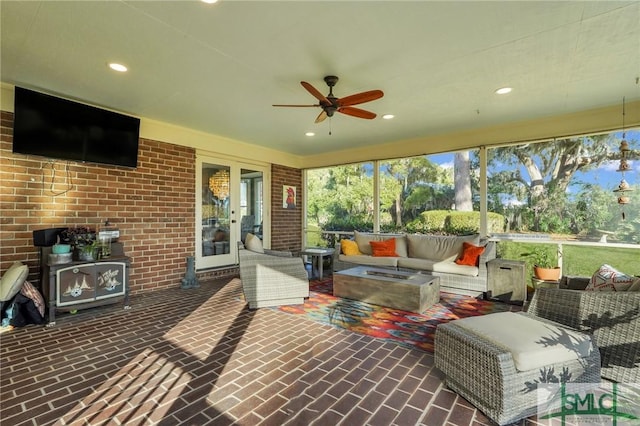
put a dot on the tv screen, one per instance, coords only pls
(52, 127)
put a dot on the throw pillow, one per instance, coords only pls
(253, 243)
(12, 280)
(28, 290)
(385, 248)
(349, 248)
(607, 278)
(470, 254)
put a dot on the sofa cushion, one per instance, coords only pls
(533, 344)
(384, 248)
(438, 247)
(401, 246)
(364, 259)
(363, 241)
(608, 278)
(470, 254)
(443, 266)
(349, 248)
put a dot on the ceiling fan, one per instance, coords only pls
(330, 104)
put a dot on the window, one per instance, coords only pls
(564, 188)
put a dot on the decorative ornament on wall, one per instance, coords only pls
(623, 189)
(288, 197)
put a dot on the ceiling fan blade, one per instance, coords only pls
(280, 105)
(357, 112)
(360, 98)
(316, 94)
(321, 117)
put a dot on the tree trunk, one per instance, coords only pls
(462, 182)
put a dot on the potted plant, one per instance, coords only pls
(83, 241)
(545, 265)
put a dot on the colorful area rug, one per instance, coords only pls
(404, 328)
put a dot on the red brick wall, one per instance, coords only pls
(286, 224)
(152, 205)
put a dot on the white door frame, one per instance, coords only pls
(235, 166)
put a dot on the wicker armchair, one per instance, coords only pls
(612, 317)
(274, 278)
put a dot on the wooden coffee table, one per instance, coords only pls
(409, 291)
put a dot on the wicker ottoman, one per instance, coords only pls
(483, 367)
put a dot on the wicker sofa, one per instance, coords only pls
(431, 254)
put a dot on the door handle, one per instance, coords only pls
(233, 221)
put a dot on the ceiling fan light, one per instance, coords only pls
(504, 90)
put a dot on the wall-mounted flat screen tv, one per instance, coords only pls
(58, 128)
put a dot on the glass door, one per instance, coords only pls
(230, 204)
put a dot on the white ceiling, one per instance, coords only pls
(218, 68)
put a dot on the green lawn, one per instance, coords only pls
(578, 260)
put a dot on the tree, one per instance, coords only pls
(543, 172)
(462, 182)
(410, 176)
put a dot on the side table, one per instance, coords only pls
(317, 255)
(506, 281)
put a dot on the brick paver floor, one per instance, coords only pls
(200, 357)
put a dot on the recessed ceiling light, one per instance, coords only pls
(117, 67)
(210, 1)
(388, 116)
(309, 134)
(503, 90)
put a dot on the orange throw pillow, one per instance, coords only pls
(385, 248)
(470, 255)
(349, 248)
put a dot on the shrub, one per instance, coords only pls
(454, 222)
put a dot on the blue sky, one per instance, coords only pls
(605, 175)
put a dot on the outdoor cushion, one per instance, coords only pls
(384, 248)
(444, 266)
(364, 259)
(349, 248)
(470, 254)
(533, 344)
(401, 244)
(608, 278)
(363, 241)
(12, 280)
(253, 243)
(438, 247)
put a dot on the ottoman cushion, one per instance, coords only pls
(532, 343)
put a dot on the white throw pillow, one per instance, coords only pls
(253, 243)
(12, 280)
(608, 278)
